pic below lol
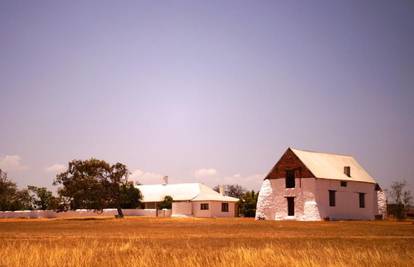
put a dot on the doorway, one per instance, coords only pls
(291, 206)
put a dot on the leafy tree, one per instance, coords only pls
(401, 199)
(10, 197)
(42, 198)
(166, 203)
(247, 204)
(232, 190)
(130, 196)
(8, 190)
(22, 200)
(61, 203)
(95, 184)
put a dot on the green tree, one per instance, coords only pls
(130, 196)
(247, 204)
(10, 197)
(22, 200)
(401, 199)
(232, 190)
(42, 198)
(8, 190)
(94, 184)
(166, 203)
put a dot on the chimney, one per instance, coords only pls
(221, 190)
(347, 171)
(165, 180)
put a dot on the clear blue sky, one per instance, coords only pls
(210, 91)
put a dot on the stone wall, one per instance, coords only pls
(272, 202)
(382, 203)
(266, 203)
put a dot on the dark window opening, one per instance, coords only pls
(291, 206)
(204, 206)
(344, 184)
(332, 200)
(290, 179)
(347, 171)
(224, 207)
(362, 200)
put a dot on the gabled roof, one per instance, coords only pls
(181, 192)
(331, 166)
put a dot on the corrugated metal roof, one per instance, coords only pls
(181, 192)
(331, 166)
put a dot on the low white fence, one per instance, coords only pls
(82, 213)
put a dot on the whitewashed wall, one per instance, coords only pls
(75, 214)
(214, 210)
(306, 208)
(312, 200)
(164, 213)
(182, 209)
(347, 200)
(28, 214)
(272, 202)
(382, 203)
(266, 203)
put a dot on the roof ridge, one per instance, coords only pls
(317, 152)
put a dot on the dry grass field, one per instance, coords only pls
(203, 242)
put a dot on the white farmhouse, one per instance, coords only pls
(312, 186)
(190, 199)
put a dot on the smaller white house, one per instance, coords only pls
(190, 200)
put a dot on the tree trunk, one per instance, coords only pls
(120, 213)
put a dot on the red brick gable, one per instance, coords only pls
(289, 161)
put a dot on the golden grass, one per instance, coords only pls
(204, 242)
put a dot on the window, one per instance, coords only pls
(344, 184)
(291, 206)
(224, 207)
(204, 206)
(332, 201)
(290, 179)
(347, 171)
(362, 200)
